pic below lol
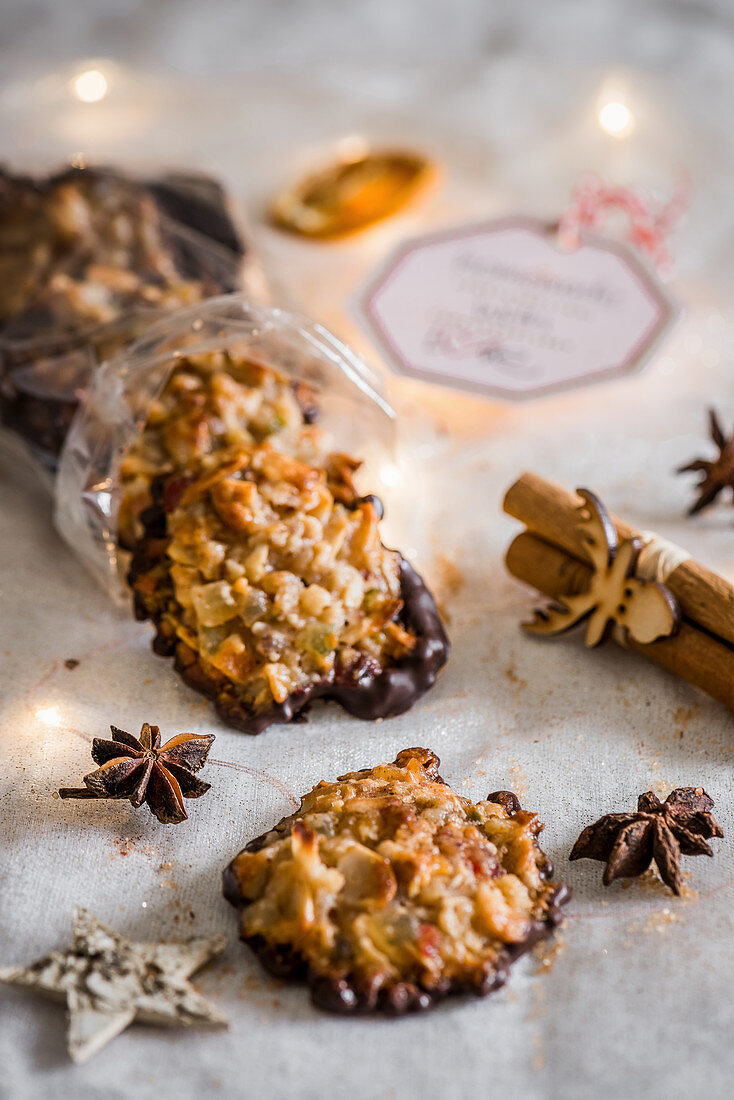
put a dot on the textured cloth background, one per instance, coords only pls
(638, 1002)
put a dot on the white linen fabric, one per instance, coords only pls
(638, 1001)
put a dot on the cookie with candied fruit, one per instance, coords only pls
(259, 563)
(387, 891)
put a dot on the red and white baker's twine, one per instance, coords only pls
(649, 222)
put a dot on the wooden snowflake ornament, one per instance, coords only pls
(644, 609)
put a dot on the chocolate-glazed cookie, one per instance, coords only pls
(258, 561)
(268, 584)
(386, 891)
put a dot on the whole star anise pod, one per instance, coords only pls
(659, 831)
(717, 474)
(142, 770)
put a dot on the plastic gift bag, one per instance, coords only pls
(88, 258)
(330, 381)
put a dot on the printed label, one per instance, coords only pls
(501, 308)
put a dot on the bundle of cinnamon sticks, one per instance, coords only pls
(552, 556)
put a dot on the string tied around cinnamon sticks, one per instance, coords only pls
(554, 556)
(659, 557)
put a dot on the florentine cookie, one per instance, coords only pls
(268, 583)
(387, 891)
(85, 245)
(211, 403)
(260, 565)
(87, 257)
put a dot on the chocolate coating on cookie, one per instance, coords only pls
(268, 584)
(386, 891)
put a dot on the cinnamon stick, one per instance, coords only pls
(694, 655)
(548, 510)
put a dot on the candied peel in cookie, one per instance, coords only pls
(211, 403)
(258, 562)
(270, 587)
(387, 891)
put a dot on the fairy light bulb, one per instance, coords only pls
(390, 474)
(49, 716)
(615, 118)
(90, 86)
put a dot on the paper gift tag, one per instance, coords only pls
(503, 309)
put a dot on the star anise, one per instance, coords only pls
(717, 474)
(659, 831)
(141, 770)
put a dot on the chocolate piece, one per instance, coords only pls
(87, 259)
(659, 832)
(386, 891)
(199, 203)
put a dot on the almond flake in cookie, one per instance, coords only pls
(266, 578)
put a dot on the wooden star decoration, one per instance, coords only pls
(109, 981)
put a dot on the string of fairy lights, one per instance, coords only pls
(93, 85)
